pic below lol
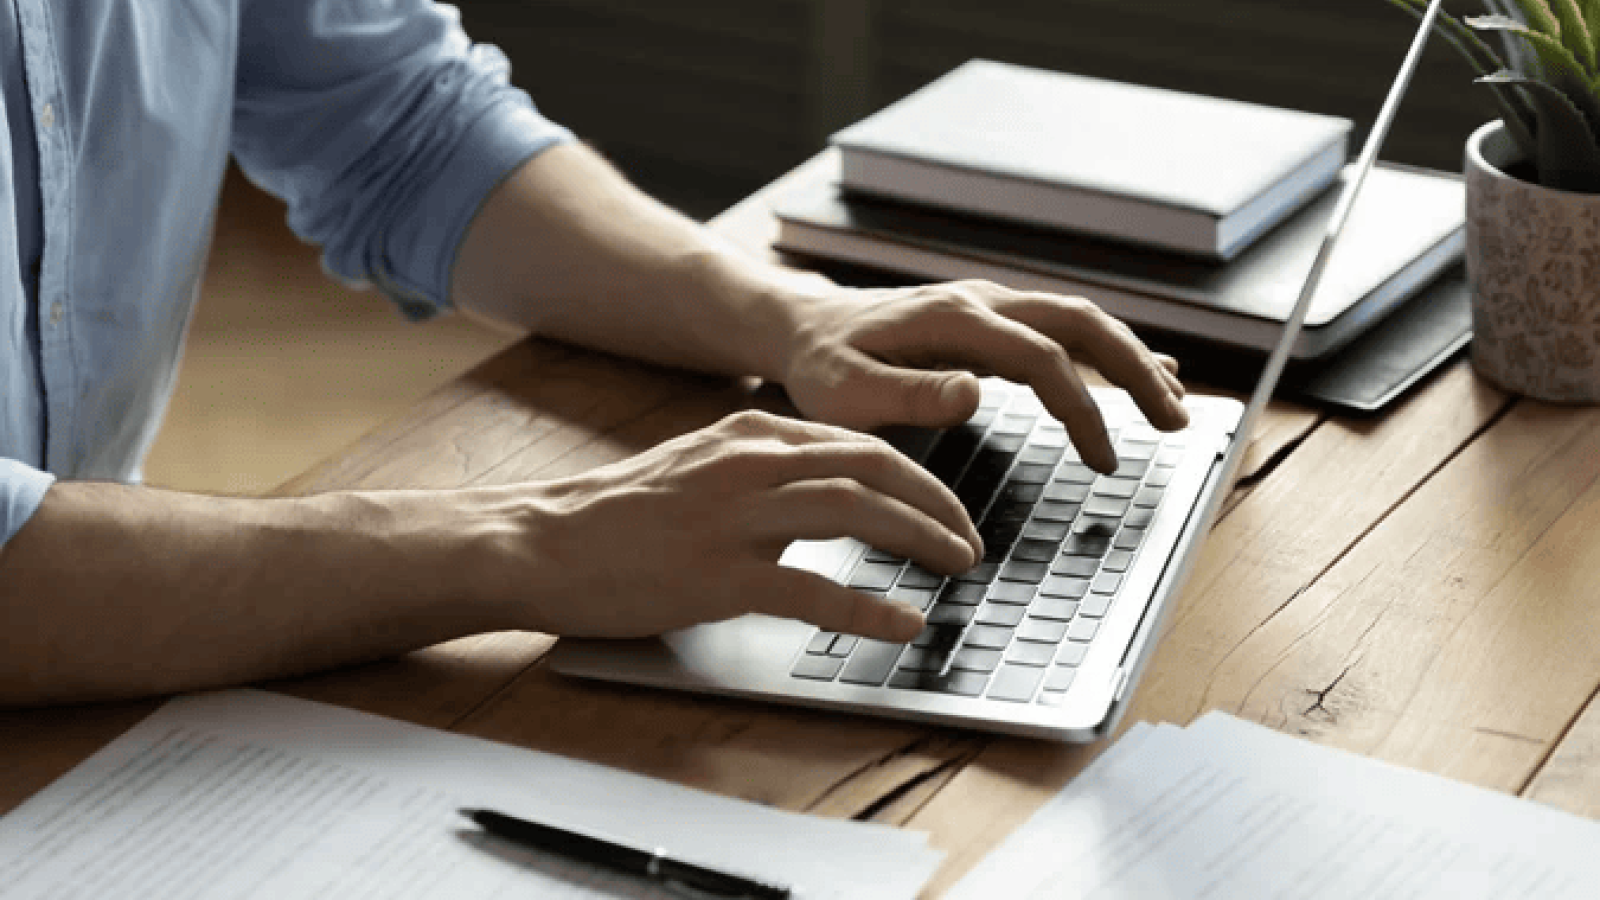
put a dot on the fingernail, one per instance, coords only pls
(1177, 409)
(906, 621)
(953, 393)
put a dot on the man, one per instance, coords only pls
(404, 154)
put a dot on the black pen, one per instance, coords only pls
(654, 864)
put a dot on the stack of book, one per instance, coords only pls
(1181, 214)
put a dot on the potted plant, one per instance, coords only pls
(1533, 194)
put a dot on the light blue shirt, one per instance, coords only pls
(377, 121)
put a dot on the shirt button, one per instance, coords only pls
(56, 312)
(47, 116)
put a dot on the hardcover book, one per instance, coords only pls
(1179, 171)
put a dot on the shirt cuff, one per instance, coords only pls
(422, 255)
(22, 489)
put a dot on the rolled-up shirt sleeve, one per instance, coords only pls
(22, 489)
(384, 128)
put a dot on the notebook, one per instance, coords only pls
(1172, 169)
(1048, 635)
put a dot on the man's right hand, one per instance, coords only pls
(691, 531)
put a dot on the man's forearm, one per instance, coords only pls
(567, 248)
(113, 591)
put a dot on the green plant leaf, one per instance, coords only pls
(1512, 106)
(1575, 34)
(1515, 111)
(1540, 18)
(1567, 157)
(1559, 70)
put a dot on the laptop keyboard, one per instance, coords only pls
(1058, 539)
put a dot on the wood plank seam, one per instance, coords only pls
(1502, 412)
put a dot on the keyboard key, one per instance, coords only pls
(874, 576)
(1031, 473)
(982, 573)
(971, 659)
(1005, 443)
(1051, 436)
(1044, 631)
(924, 659)
(1060, 678)
(1071, 654)
(1131, 468)
(1107, 583)
(1037, 453)
(843, 644)
(1117, 561)
(961, 683)
(875, 555)
(1051, 698)
(918, 577)
(1171, 454)
(921, 598)
(1065, 587)
(950, 455)
(1139, 517)
(1095, 606)
(1015, 683)
(1034, 551)
(1010, 511)
(1025, 572)
(1134, 449)
(939, 637)
(871, 663)
(1014, 424)
(988, 637)
(1075, 566)
(1075, 473)
(1087, 524)
(1160, 476)
(1129, 539)
(1012, 592)
(1082, 629)
(817, 668)
(1053, 608)
(960, 593)
(821, 642)
(945, 614)
(1055, 532)
(1105, 506)
(1095, 544)
(1021, 492)
(1062, 492)
(1056, 511)
(1026, 653)
(1110, 486)
(1000, 614)
(1148, 497)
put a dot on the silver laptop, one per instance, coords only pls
(1047, 636)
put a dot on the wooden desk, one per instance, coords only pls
(1420, 587)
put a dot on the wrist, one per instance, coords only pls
(421, 553)
(772, 306)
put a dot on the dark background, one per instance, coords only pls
(703, 101)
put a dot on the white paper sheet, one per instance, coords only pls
(254, 795)
(1229, 809)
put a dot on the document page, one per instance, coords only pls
(1230, 809)
(254, 795)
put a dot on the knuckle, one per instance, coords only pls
(842, 496)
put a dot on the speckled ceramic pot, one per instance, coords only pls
(1533, 254)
